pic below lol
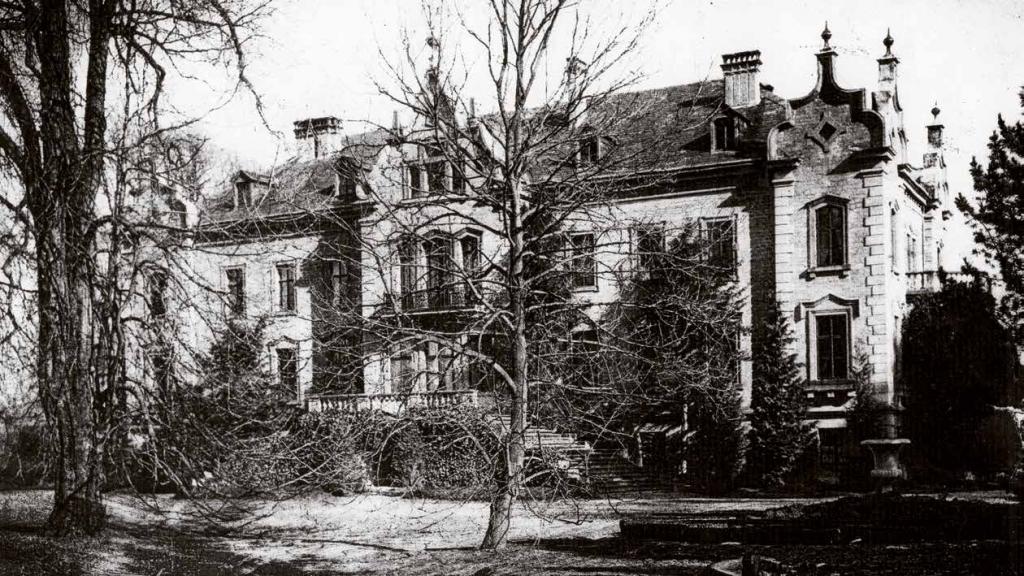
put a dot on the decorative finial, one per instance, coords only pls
(888, 42)
(935, 112)
(826, 35)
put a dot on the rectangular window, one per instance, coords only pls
(436, 177)
(336, 282)
(157, 293)
(725, 134)
(288, 368)
(721, 238)
(459, 177)
(590, 150)
(832, 345)
(582, 261)
(402, 374)
(236, 291)
(439, 272)
(286, 287)
(407, 274)
(415, 182)
(650, 246)
(470, 265)
(830, 229)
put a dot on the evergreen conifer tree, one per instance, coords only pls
(778, 433)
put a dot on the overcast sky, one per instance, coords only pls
(318, 57)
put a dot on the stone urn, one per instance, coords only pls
(885, 450)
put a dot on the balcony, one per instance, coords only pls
(390, 403)
(931, 281)
(440, 299)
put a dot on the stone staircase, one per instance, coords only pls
(610, 472)
(603, 470)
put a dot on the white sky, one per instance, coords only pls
(318, 57)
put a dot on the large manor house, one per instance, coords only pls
(821, 206)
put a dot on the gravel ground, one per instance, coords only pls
(375, 534)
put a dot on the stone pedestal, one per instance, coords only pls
(886, 455)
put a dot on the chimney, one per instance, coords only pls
(317, 137)
(741, 85)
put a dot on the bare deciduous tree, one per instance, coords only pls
(66, 68)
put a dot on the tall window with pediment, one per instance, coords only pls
(828, 235)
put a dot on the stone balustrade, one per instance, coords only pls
(931, 280)
(390, 403)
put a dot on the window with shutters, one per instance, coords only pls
(828, 233)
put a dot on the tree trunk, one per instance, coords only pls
(511, 478)
(66, 392)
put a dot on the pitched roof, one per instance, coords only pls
(300, 185)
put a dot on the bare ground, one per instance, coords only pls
(374, 534)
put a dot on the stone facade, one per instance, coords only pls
(830, 219)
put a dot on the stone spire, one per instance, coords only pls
(826, 35)
(935, 129)
(887, 66)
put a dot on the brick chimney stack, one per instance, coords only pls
(741, 86)
(317, 137)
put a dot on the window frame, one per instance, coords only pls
(287, 301)
(156, 301)
(705, 231)
(280, 351)
(645, 261)
(575, 256)
(725, 142)
(235, 308)
(848, 313)
(814, 209)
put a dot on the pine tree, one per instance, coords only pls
(996, 216)
(778, 434)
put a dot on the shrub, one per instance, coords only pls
(22, 455)
(958, 361)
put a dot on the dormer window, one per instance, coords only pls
(435, 172)
(243, 194)
(590, 150)
(724, 134)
